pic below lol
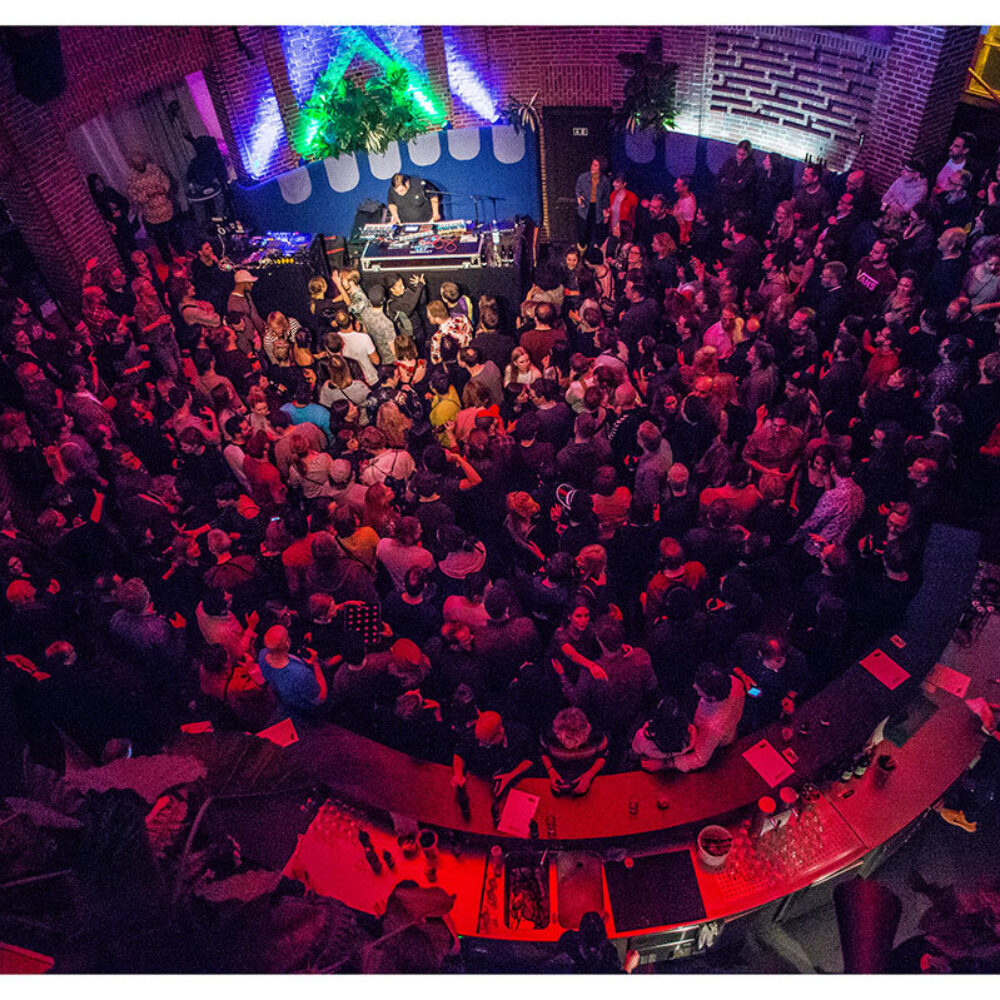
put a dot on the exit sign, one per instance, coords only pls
(581, 131)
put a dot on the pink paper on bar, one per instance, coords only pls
(885, 669)
(949, 680)
(768, 763)
(283, 733)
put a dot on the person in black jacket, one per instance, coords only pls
(736, 182)
(114, 207)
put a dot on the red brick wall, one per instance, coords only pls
(47, 194)
(242, 84)
(107, 67)
(793, 90)
(918, 91)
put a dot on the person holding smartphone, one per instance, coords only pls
(774, 675)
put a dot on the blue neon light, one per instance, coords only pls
(268, 129)
(467, 85)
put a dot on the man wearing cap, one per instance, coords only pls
(299, 683)
(492, 748)
(906, 190)
(241, 303)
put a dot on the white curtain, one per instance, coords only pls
(102, 145)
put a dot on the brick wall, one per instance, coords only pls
(918, 90)
(793, 90)
(243, 83)
(43, 186)
(107, 67)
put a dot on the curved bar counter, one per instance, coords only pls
(646, 815)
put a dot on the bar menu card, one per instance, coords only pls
(768, 763)
(885, 669)
(517, 813)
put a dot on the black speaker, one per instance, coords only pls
(36, 57)
(370, 212)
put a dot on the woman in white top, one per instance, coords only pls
(519, 374)
(311, 470)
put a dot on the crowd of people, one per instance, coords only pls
(653, 508)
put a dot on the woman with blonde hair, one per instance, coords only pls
(782, 231)
(518, 375)
(394, 424)
(779, 312)
(279, 328)
(705, 365)
(721, 394)
(348, 282)
(318, 302)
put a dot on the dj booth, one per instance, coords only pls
(494, 260)
(282, 263)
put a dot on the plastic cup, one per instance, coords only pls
(714, 845)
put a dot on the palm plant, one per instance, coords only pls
(649, 99)
(350, 116)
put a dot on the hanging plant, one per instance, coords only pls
(522, 115)
(348, 116)
(649, 99)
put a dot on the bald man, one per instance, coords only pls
(298, 683)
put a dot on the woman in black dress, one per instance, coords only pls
(114, 206)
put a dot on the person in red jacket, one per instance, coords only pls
(623, 202)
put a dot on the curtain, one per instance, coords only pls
(103, 144)
(96, 149)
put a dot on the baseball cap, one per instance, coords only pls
(243, 275)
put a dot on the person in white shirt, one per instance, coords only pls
(393, 463)
(958, 154)
(720, 707)
(358, 346)
(686, 206)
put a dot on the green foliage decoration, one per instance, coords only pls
(346, 115)
(650, 93)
